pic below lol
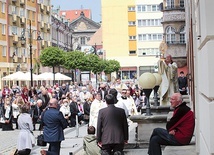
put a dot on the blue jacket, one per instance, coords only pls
(54, 123)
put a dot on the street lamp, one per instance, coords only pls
(30, 42)
(147, 81)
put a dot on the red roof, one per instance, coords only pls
(74, 14)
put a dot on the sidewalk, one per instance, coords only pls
(72, 143)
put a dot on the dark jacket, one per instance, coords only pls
(54, 123)
(36, 112)
(112, 126)
(103, 93)
(45, 100)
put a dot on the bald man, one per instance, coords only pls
(179, 130)
(54, 123)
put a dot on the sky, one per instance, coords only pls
(94, 5)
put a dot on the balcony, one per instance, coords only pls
(42, 7)
(42, 25)
(175, 42)
(23, 59)
(15, 58)
(49, 43)
(15, 39)
(22, 20)
(48, 9)
(14, 18)
(22, 2)
(173, 16)
(48, 27)
(43, 43)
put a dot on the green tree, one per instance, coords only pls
(74, 60)
(93, 63)
(111, 66)
(52, 57)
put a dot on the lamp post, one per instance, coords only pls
(157, 84)
(30, 42)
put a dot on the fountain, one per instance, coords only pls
(149, 120)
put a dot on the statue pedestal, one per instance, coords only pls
(146, 124)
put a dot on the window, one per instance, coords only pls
(28, 14)
(148, 51)
(144, 69)
(144, 36)
(128, 74)
(33, 16)
(14, 10)
(3, 7)
(149, 8)
(22, 12)
(170, 35)
(14, 30)
(131, 8)
(139, 8)
(4, 51)
(132, 52)
(170, 4)
(182, 3)
(182, 35)
(16, 51)
(24, 53)
(132, 37)
(150, 37)
(140, 38)
(143, 8)
(139, 22)
(132, 23)
(82, 40)
(149, 22)
(144, 23)
(3, 29)
(154, 8)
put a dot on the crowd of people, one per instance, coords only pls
(56, 107)
(75, 102)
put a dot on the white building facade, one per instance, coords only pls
(200, 45)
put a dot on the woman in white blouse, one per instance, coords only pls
(24, 145)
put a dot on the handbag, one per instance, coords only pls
(33, 139)
(40, 140)
(2, 120)
(86, 117)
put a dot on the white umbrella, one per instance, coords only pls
(59, 76)
(45, 76)
(15, 76)
(28, 76)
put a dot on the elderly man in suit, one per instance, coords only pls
(54, 123)
(112, 128)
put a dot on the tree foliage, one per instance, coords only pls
(74, 60)
(52, 56)
(111, 66)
